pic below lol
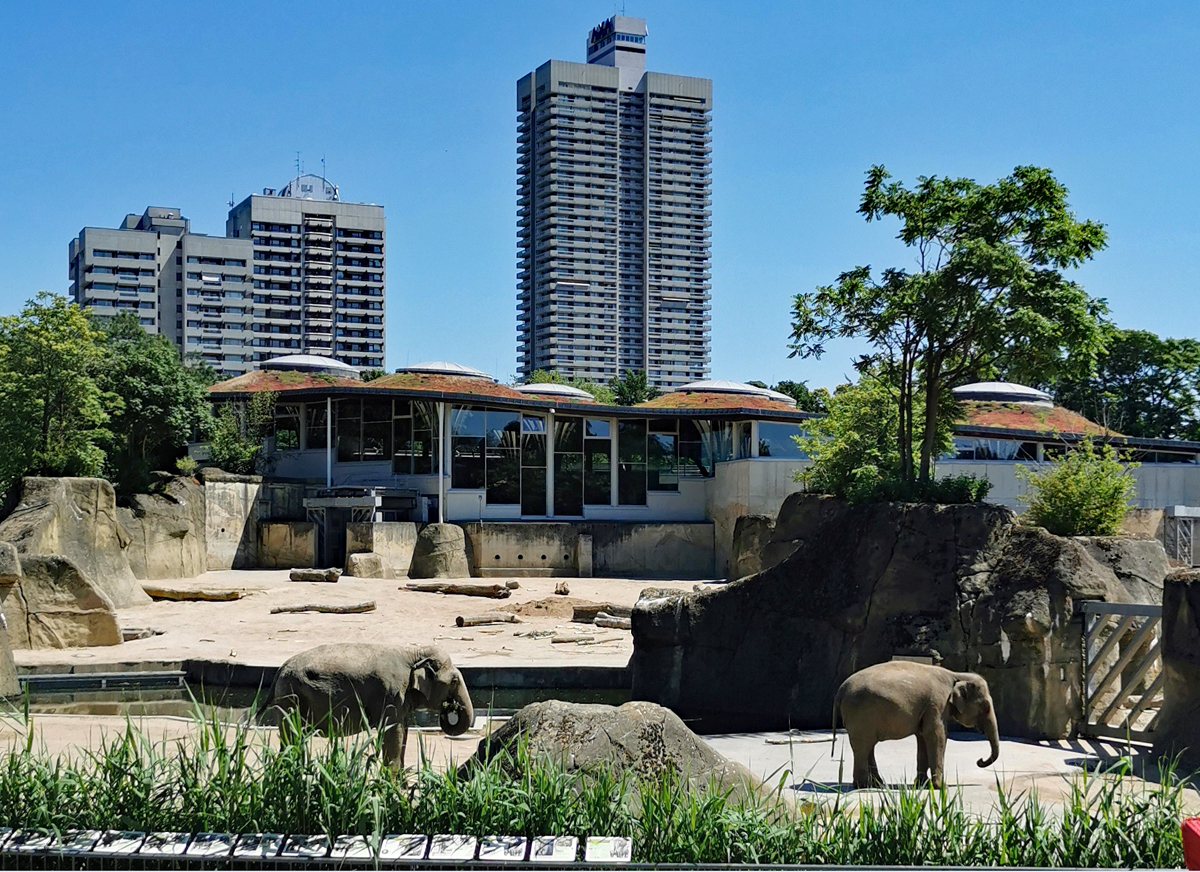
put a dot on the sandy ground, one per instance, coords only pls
(245, 631)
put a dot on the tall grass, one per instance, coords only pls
(225, 779)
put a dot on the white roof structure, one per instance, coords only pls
(722, 386)
(552, 389)
(1002, 392)
(310, 363)
(445, 367)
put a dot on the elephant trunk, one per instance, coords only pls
(993, 736)
(457, 714)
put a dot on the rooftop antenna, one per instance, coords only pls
(297, 164)
(322, 167)
(231, 193)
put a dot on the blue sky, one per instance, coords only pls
(107, 108)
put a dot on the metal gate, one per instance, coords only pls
(1123, 676)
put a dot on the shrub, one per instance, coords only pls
(1086, 492)
(186, 465)
(870, 487)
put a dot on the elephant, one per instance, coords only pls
(900, 698)
(350, 687)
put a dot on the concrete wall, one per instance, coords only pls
(676, 551)
(600, 548)
(287, 544)
(393, 540)
(746, 487)
(231, 507)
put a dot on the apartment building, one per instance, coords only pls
(614, 215)
(298, 271)
(189, 287)
(317, 272)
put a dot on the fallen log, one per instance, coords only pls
(486, 618)
(586, 614)
(315, 574)
(495, 591)
(562, 640)
(199, 595)
(613, 623)
(352, 609)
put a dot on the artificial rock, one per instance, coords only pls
(76, 518)
(55, 604)
(963, 585)
(440, 552)
(751, 535)
(1178, 728)
(166, 530)
(639, 736)
(368, 564)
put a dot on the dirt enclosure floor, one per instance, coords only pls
(245, 631)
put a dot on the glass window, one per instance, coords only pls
(287, 427)
(503, 475)
(467, 421)
(376, 429)
(503, 430)
(779, 440)
(597, 428)
(467, 462)
(568, 483)
(533, 465)
(695, 458)
(349, 430)
(631, 469)
(426, 444)
(597, 472)
(568, 435)
(661, 467)
(402, 433)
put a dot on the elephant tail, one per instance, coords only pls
(837, 703)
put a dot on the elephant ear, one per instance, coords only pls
(424, 673)
(964, 699)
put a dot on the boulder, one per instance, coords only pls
(76, 518)
(639, 736)
(751, 535)
(10, 564)
(964, 585)
(166, 530)
(1178, 728)
(9, 686)
(56, 605)
(393, 540)
(368, 565)
(440, 552)
(324, 575)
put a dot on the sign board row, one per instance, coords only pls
(506, 849)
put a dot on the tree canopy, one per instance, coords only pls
(806, 400)
(988, 291)
(1143, 385)
(632, 388)
(158, 404)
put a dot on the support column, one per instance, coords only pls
(443, 446)
(329, 442)
(753, 439)
(614, 494)
(550, 464)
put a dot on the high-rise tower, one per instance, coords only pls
(614, 217)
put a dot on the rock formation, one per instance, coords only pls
(368, 564)
(964, 585)
(440, 552)
(165, 531)
(10, 574)
(1178, 728)
(639, 736)
(76, 518)
(394, 541)
(751, 535)
(54, 604)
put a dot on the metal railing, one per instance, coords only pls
(1123, 677)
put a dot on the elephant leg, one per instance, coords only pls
(876, 778)
(922, 761)
(393, 746)
(864, 753)
(935, 744)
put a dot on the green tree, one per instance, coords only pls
(158, 404)
(52, 411)
(237, 432)
(632, 387)
(601, 393)
(1143, 386)
(369, 375)
(1084, 493)
(988, 291)
(806, 400)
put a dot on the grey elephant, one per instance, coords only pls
(899, 699)
(349, 687)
